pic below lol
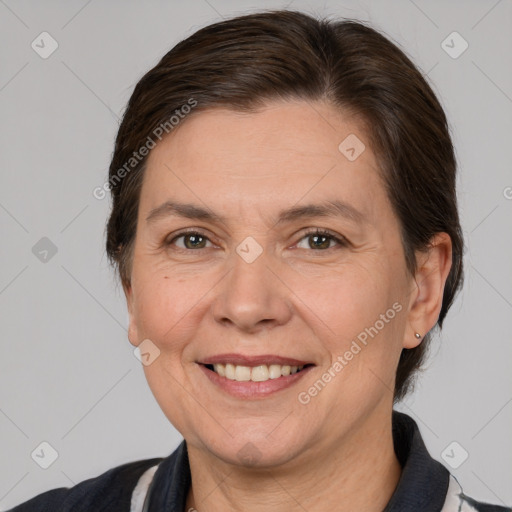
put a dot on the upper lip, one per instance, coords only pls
(242, 360)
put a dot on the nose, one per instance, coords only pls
(252, 297)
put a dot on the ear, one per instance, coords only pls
(433, 267)
(132, 326)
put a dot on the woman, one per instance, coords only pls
(285, 228)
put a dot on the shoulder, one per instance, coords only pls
(457, 501)
(425, 484)
(111, 491)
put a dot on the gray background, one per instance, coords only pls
(68, 375)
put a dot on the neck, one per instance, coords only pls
(358, 473)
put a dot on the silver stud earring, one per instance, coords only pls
(418, 335)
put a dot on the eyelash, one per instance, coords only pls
(341, 241)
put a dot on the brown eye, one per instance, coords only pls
(190, 240)
(320, 240)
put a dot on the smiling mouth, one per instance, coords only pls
(260, 373)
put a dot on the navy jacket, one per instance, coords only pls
(162, 484)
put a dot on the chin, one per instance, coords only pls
(256, 449)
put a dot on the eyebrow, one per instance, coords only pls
(333, 208)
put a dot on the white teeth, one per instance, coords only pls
(220, 369)
(230, 371)
(259, 373)
(274, 371)
(242, 373)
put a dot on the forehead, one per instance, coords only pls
(298, 127)
(279, 153)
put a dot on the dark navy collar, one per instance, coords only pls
(422, 486)
(170, 485)
(424, 481)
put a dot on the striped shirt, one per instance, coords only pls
(162, 484)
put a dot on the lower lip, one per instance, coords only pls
(250, 389)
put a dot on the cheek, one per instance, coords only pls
(349, 298)
(359, 317)
(167, 304)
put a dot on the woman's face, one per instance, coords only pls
(253, 287)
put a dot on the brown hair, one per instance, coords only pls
(243, 62)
